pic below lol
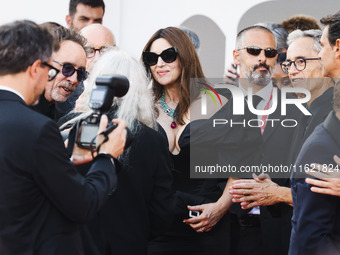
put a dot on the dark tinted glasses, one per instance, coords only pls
(255, 51)
(168, 56)
(68, 70)
(52, 73)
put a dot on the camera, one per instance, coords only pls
(107, 87)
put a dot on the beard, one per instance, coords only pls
(60, 97)
(253, 76)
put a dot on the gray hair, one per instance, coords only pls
(240, 35)
(315, 34)
(21, 44)
(137, 104)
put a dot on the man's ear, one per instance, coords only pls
(337, 49)
(68, 20)
(236, 55)
(33, 70)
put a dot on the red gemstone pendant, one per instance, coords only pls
(173, 125)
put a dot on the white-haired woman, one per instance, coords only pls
(142, 204)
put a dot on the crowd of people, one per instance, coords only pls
(134, 193)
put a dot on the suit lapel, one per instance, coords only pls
(268, 131)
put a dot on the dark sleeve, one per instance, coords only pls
(314, 213)
(77, 197)
(163, 200)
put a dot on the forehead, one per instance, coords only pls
(301, 47)
(159, 45)
(71, 52)
(97, 37)
(259, 37)
(88, 11)
(324, 37)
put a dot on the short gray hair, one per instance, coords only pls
(315, 34)
(240, 35)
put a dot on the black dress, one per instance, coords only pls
(181, 238)
(201, 143)
(142, 205)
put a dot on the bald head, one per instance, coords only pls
(98, 37)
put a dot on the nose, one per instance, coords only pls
(262, 58)
(160, 61)
(292, 70)
(96, 55)
(73, 78)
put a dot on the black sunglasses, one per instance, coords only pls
(255, 51)
(68, 70)
(52, 73)
(168, 56)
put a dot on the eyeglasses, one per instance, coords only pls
(68, 70)
(255, 51)
(52, 73)
(90, 51)
(299, 63)
(168, 56)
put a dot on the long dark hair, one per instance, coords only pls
(189, 64)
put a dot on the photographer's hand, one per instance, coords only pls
(117, 138)
(81, 156)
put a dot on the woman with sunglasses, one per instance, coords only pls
(171, 61)
(141, 206)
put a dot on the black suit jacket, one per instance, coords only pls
(316, 218)
(42, 196)
(142, 207)
(319, 108)
(277, 141)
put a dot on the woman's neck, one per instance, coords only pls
(171, 94)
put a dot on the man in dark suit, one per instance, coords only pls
(264, 224)
(42, 196)
(306, 71)
(266, 228)
(316, 217)
(316, 220)
(70, 61)
(99, 39)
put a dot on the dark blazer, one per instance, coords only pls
(319, 108)
(275, 219)
(42, 196)
(142, 206)
(316, 218)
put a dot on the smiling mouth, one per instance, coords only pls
(162, 72)
(67, 90)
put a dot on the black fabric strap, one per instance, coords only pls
(72, 138)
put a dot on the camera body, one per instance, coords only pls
(107, 87)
